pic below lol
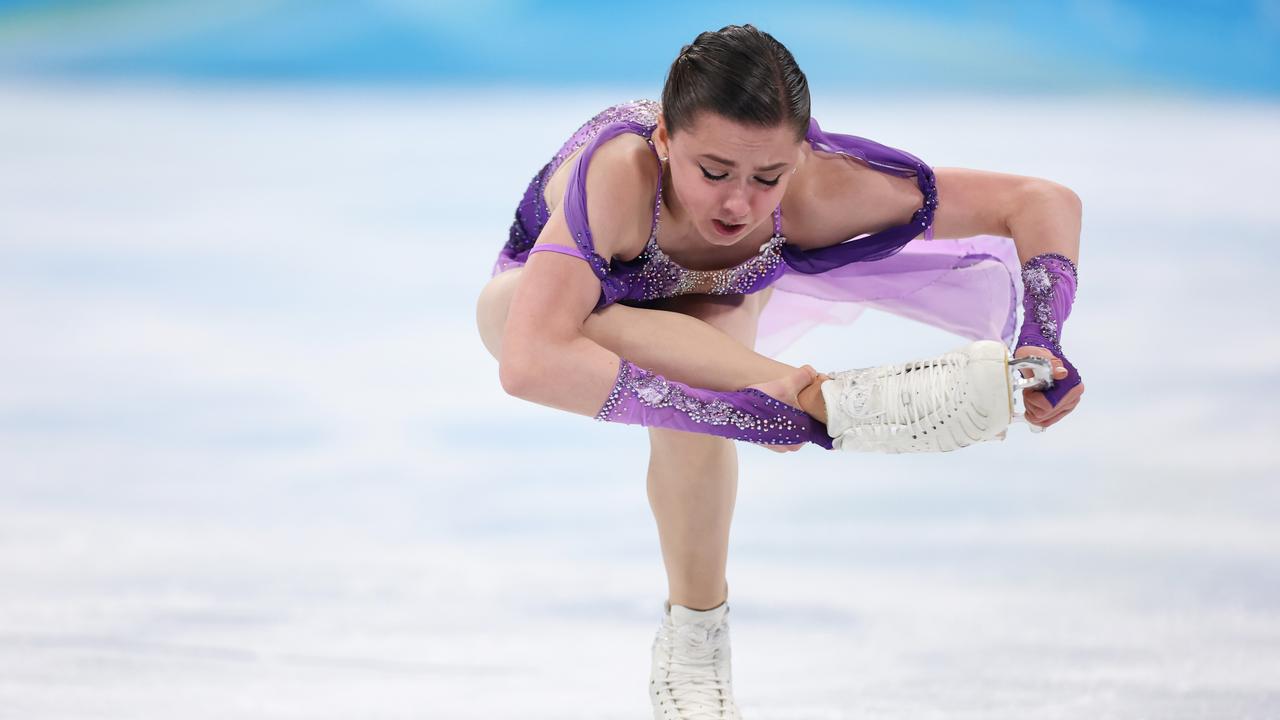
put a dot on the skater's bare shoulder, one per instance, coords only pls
(621, 183)
(558, 291)
(834, 198)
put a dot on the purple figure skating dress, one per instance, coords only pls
(964, 286)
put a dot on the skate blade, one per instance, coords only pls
(1041, 378)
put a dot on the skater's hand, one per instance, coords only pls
(787, 389)
(1039, 411)
(811, 400)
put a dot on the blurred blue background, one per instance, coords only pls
(1082, 46)
(255, 462)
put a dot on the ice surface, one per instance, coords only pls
(255, 463)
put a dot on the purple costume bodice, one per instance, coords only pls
(652, 274)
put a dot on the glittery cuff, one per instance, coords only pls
(1049, 283)
(1058, 261)
(640, 397)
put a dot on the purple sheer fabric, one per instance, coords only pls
(641, 397)
(562, 249)
(882, 244)
(1050, 281)
(964, 286)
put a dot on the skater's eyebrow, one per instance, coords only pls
(732, 164)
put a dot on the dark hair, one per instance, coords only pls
(740, 73)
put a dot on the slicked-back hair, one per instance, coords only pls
(741, 73)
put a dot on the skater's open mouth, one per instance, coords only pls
(727, 229)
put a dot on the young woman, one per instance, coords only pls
(648, 313)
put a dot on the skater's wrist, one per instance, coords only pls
(1049, 287)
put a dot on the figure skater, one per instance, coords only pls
(649, 313)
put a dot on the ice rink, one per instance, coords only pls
(255, 462)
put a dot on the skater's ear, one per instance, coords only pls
(661, 139)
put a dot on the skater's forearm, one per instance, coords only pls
(578, 375)
(585, 378)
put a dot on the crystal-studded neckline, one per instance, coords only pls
(652, 249)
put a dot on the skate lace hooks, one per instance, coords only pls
(1041, 378)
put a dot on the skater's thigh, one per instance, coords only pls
(735, 315)
(492, 307)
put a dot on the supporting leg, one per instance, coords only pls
(693, 479)
(692, 485)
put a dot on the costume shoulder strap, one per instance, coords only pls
(879, 245)
(575, 210)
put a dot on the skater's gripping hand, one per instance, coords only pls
(787, 389)
(1066, 390)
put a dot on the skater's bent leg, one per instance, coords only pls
(693, 482)
(701, 348)
(698, 350)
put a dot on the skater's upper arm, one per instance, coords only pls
(555, 295)
(977, 202)
(557, 291)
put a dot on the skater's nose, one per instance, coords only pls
(735, 205)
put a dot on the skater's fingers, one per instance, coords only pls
(1062, 409)
(1037, 404)
(1066, 401)
(1057, 417)
(1066, 405)
(1039, 411)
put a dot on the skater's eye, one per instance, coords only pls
(762, 181)
(709, 176)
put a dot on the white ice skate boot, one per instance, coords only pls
(940, 404)
(690, 678)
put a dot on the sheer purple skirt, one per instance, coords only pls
(969, 287)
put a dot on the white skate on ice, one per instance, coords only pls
(940, 404)
(691, 677)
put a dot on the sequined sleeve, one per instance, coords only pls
(641, 397)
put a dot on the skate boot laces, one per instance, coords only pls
(904, 398)
(694, 672)
(938, 404)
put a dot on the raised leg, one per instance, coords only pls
(681, 346)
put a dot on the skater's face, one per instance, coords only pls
(729, 177)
